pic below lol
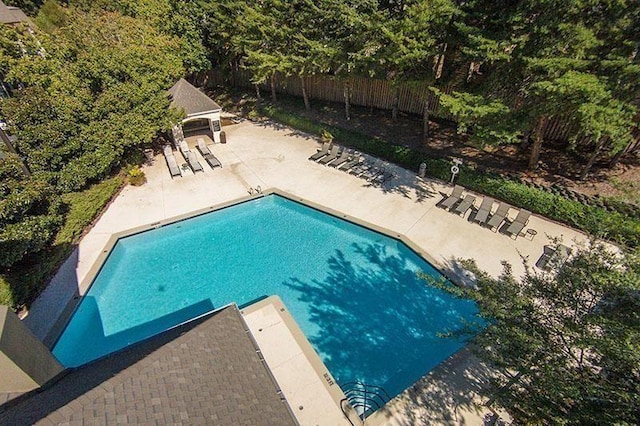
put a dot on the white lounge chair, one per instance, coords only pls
(323, 151)
(456, 195)
(518, 223)
(498, 217)
(171, 161)
(208, 155)
(190, 157)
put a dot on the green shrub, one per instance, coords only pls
(617, 227)
(253, 115)
(326, 136)
(30, 235)
(23, 283)
(136, 176)
(84, 206)
(6, 295)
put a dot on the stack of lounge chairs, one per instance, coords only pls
(208, 155)
(352, 162)
(459, 203)
(553, 257)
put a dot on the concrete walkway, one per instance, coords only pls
(271, 156)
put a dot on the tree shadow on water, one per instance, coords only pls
(377, 321)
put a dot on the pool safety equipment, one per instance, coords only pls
(455, 169)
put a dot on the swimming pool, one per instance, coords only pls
(353, 292)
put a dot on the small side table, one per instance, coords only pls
(531, 233)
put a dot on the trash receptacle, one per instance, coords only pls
(422, 170)
(223, 137)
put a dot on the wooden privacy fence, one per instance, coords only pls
(368, 92)
(410, 97)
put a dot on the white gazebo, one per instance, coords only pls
(197, 106)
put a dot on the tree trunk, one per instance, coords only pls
(305, 96)
(538, 135)
(258, 91)
(274, 98)
(439, 64)
(347, 101)
(616, 158)
(396, 101)
(425, 123)
(472, 67)
(10, 148)
(593, 157)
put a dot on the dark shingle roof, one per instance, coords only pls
(203, 372)
(193, 101)
(11, 15)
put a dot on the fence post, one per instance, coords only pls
(425, 122)
(347, 101)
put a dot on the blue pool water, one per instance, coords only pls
(353, 292)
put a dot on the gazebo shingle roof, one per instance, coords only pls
(11, 15)
(204, 372)
(193, 101)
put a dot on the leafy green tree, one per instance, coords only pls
(178, 19)
(311, 50)
(566, 341)
(223, 20)
(52, 15)
(351, 25)
(264, 37)
(30, 214)
(584, 100)
(410, 39)
(99, 92)
(488, 121)
(528, 48)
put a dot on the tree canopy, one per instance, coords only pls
(93, 92)
(567, 341)
(94, 89)
(29, 214)
(503, 61)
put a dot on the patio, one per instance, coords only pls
(267, 155)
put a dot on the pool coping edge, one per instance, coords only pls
(61, 322)
(323, 373)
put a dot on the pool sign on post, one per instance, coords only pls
(455, 169)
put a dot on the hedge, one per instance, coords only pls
(597, 221)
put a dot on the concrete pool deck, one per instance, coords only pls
(311, 391)
(268, 155)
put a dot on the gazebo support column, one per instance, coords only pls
(216, 135)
